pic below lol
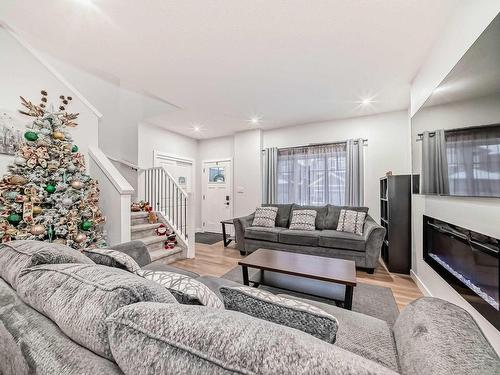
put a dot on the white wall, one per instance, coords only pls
(247, 172)
(387, 150)
(482, 215)
(122, 111)
(22, 74)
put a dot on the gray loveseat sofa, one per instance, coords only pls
(430, 336)
(325, 241)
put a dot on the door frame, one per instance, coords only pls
(202, 187)
(159, 155)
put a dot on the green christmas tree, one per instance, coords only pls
(46, 194)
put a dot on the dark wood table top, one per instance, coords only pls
(310, 266)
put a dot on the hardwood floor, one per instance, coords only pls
(216, 260)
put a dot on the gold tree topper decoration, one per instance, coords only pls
(33, 110)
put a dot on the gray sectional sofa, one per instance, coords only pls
(71, 316)
(325, 241)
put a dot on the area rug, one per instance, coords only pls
(207, 238)
(373, 300)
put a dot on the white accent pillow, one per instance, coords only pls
(351, 221)
(303, 220)
(184, 288)
(265, 217)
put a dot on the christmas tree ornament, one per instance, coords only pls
(45, 131)
(14, 219)
(86, 225)
(37, 210)
(10, 195)
(31, 136)
(67, 202)
(74, 148)
(76, 184)
(80, 237)
(17, 180)
(71, 168)
(50, 188)
(37, 230)
(20, 160)
(58, 135)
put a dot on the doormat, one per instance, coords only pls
(207, 238)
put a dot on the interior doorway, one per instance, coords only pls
(179, 167)
(217, 194)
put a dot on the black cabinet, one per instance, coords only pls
(395, 217)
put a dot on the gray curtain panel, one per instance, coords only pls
(270, 175)
(354, 184)
(434, 174)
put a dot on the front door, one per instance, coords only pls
(217, 193)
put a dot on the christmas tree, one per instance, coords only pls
(46, 194)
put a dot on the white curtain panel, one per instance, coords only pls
(355, 172)
(312, 175)
(270, 175)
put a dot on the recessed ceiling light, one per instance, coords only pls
(366, 101)
(196, 128)
(255, 120)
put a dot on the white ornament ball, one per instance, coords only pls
(20, 161)
(71, 168)
(76, 184)
(45, 131)
(67, 202)
(80, 237)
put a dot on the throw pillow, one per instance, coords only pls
(156, 338)
(184, 288)
(17, 255)
(112, 258)
(79, 297)
(265, 217)
(303, 220)
(280, 310)
(351, 221)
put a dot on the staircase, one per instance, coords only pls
(143, 231)
(173, 206)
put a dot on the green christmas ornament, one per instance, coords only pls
(14, 219)
(86, 225)
(50, 188)
(31, 136)
(74, 148)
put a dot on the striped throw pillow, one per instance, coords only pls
(351, 221)
(303, 220)
(265, 217)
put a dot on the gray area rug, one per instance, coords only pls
(207, 238)
(373, 300)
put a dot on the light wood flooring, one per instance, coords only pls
(216, 260)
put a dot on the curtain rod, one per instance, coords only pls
(319, 144)
(432, 134)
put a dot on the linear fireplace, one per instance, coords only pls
(468, 261)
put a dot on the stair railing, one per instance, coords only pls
(166, 196)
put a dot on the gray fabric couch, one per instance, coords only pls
(431, 336)
(325, 241)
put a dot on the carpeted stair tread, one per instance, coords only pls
(153, 239)
(138, 215)
(140, 227)
(163, 253)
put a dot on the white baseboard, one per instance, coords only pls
(420, 284)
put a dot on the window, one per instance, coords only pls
(313, 175)
(473, 157)
(216, 175)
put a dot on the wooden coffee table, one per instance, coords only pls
(309, 274)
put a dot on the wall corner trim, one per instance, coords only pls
(49, 67)
(420, 284)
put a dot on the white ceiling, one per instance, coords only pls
(224, 61)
